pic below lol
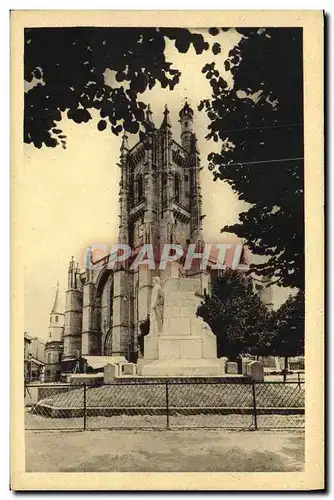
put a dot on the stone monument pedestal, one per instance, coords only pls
(186, 345)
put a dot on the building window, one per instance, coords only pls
(56, 319)
(164, 190)
(59, 357)
(177, 187)
(49, 357)
(140, 190)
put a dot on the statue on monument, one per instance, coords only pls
(157, 308)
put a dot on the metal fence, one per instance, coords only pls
(165, 405)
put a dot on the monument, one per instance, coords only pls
(178, 343)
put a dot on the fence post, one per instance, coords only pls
(85, 406)
(298, 379)
(167, 404)
(254, 406)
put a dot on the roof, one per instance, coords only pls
(96, 362)
(57, 306)
(37, 362)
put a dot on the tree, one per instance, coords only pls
(66, 70)
(259, 121)
(236, 315)
(290, 320)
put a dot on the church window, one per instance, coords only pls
(108, 343)
(49, 357)
(139, 187)
(186, 177)
(164, 190)
(56, 319)
(59, 357)
(177, 187)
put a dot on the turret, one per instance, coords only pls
(54, 345)
(56, 322)
(166, 120)
(186, 120)
(73, 315)
(149, 115)
(124, 192)
(73, 275)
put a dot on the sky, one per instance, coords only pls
(71, 195)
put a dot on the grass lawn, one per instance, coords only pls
(204, 395)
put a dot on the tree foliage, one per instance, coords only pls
(258, 120)
(237, 316)
(67, 67)
(259, 123)
(290, 323)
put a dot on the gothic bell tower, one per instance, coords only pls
(160, 202)
(160, 195)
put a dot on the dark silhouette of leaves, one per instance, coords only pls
(102, 125)
(70, 66)
(216, 48)
(237, 316)
(262, 117)
(214, 31)
(290, 322)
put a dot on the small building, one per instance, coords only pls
(34, 357)
(54, 345)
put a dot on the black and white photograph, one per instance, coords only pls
(162, 217)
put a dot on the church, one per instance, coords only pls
(160, 202)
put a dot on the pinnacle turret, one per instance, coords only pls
(166, 119)
(149, 115)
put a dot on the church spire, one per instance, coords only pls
(57, 306)
(125, 144)
(166, 120)
(149, 115)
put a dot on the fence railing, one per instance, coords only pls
(165, 404)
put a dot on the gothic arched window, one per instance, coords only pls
(164, 190)
(177, 188)
(140, 190)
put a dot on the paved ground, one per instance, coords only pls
(164, 451)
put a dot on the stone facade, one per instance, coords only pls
(160, 202)
(186, 345)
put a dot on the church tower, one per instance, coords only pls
(160, 196)
(54, 345)
(160, 202)
(73, 317)
(56, 323)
